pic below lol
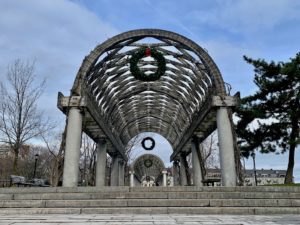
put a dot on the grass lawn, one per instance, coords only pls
(283, 185)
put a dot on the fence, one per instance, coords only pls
(4, 183)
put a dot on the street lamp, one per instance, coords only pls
(254, 167)
(36, 156)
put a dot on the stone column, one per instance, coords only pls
(226, 147)
(183, 176)
(101, 163)
(131, 178)
(114, 176)
(121, 172)
(164, 172)
(175, 173)
(72, 151)
(197, 174)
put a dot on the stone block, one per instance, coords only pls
(85, 203)
(295, 202)
(168, 203)
(279, 210)
(209, 210)
(22, 204)
(146, 195)
(243, 202)
(128, 210)
(148, 189)
(182, 195)
(16, 190)
(6, 196)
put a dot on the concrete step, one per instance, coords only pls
(156, 210)
(294, 189)
(150, 195)
(150, 203)
(184, 200)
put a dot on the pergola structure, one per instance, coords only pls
(148, 166)
(111, 106)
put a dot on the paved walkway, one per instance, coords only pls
(149, 219)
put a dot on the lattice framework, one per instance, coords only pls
(176, 106)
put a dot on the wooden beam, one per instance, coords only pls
(106, 127)
(197, 120)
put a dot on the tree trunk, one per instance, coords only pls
(291, 163)
(290, 168)
(16, 159)
(55, 175)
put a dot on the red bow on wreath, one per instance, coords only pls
(148, 52)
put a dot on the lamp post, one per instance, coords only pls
(36, 156)
(254, 167)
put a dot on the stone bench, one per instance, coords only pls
(20, 181)
(39, 182)
(211, 181)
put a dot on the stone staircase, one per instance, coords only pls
(153, 200)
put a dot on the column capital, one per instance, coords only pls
(102, 140)
(115, 155)
(225, 101)
(182, 154)
(195, 139)
(176, 163)
(65, 102)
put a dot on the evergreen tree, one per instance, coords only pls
(275, 107)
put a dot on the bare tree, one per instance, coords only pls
(55, 146)
(88, 160)
(132, 144)
(207, 154)
(209, 149)
(20, 119)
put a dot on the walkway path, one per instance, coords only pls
(149, 219)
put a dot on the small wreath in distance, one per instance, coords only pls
(152, 143)
(148, 163)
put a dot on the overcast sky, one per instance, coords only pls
(59, 33)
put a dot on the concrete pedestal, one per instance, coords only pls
(121, 172)
(101, 163)
(164, 178)
(227, 161)
(175, 173)
(114, 176)
(183, 176)
(131, 173)
(197, 173)
(72, 151)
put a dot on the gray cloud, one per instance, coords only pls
(57, 34)
(248, 16)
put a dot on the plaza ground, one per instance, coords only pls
(132, 219)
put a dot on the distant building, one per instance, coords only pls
(264, 177)
(5, 150)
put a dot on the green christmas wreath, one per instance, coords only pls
(148, 163)
(145, 52)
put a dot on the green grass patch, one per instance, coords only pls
(283, 185)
